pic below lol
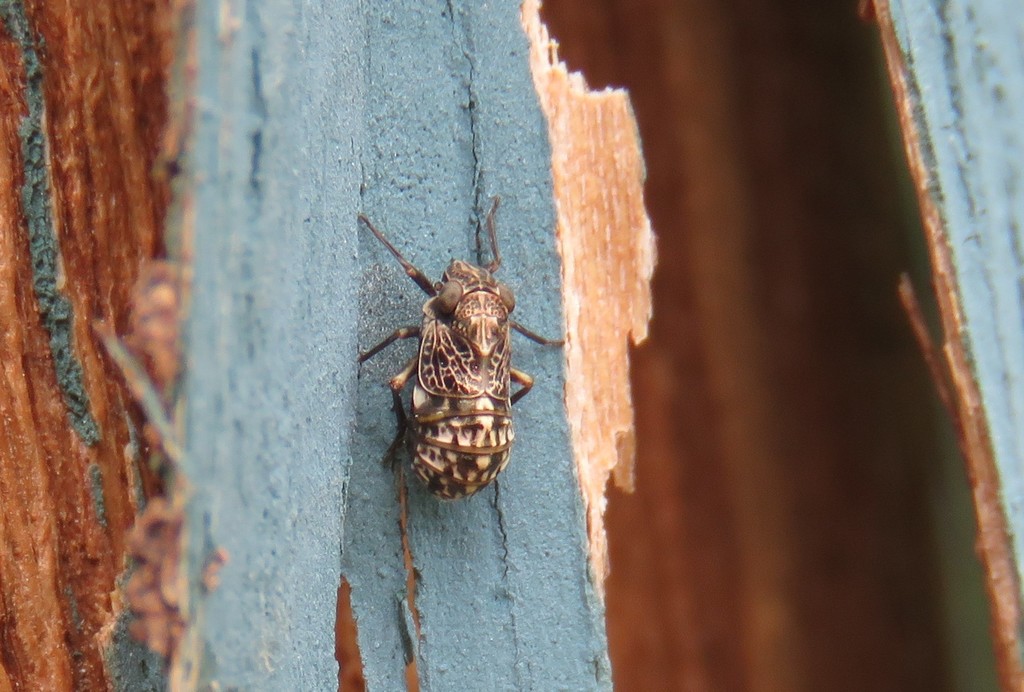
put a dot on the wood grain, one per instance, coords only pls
(608, 255)
(944, 228)
(779, 534)
(67, 504)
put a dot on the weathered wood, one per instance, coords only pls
(81, 113)
(287, 119)
(791, 457)
(959, 84)
(607, 250)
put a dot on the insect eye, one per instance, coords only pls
(449, 296)
(507, 297)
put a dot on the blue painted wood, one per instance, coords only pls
(416, 113)
(967, 74)
(504, 594)
(270, 343)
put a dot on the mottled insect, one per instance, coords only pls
(460, 430)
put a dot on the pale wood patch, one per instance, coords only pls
(608, 256)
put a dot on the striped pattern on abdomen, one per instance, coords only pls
(458, 455)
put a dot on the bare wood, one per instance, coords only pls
(608, 255)
(68, 496)
(993, 541)
(919, 325)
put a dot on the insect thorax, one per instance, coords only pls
(472, 277)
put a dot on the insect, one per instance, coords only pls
(460, 429)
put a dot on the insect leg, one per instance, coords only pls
(496, 258)
(533, 336)
(397, 384)
(522, 378)
(414, 272)
(403, 333)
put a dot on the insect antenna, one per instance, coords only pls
(411, 270)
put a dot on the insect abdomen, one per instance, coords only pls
(458, 454)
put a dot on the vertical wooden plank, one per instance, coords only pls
(790, 444)
(958, 74)
(372, 554)
(503, 589)
(272, 192)
(299, 115)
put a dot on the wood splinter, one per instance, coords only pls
(608, 256)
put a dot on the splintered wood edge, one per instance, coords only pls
(186, 663)
(608, 256)
(993, 542)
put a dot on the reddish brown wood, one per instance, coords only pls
(103, 69)
(994, 545)
(778, 537)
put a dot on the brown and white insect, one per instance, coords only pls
(460, 430)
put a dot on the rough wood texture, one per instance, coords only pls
(779, 536)
(80, 120)
(959, 85)
(607, 250)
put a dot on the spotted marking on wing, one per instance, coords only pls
(498, 368)
(447, 364)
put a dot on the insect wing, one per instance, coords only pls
(448, 366)
(498, 368)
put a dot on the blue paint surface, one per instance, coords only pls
(968, 86)
(132, 667)
(269, 340)
(415, 113)
(504, 592)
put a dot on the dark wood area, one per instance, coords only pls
(779, 536)
(67, 503)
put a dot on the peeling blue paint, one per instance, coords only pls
(308, 113)
(132, 667)
(966, 87)
(76, 615)
(504, 593)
